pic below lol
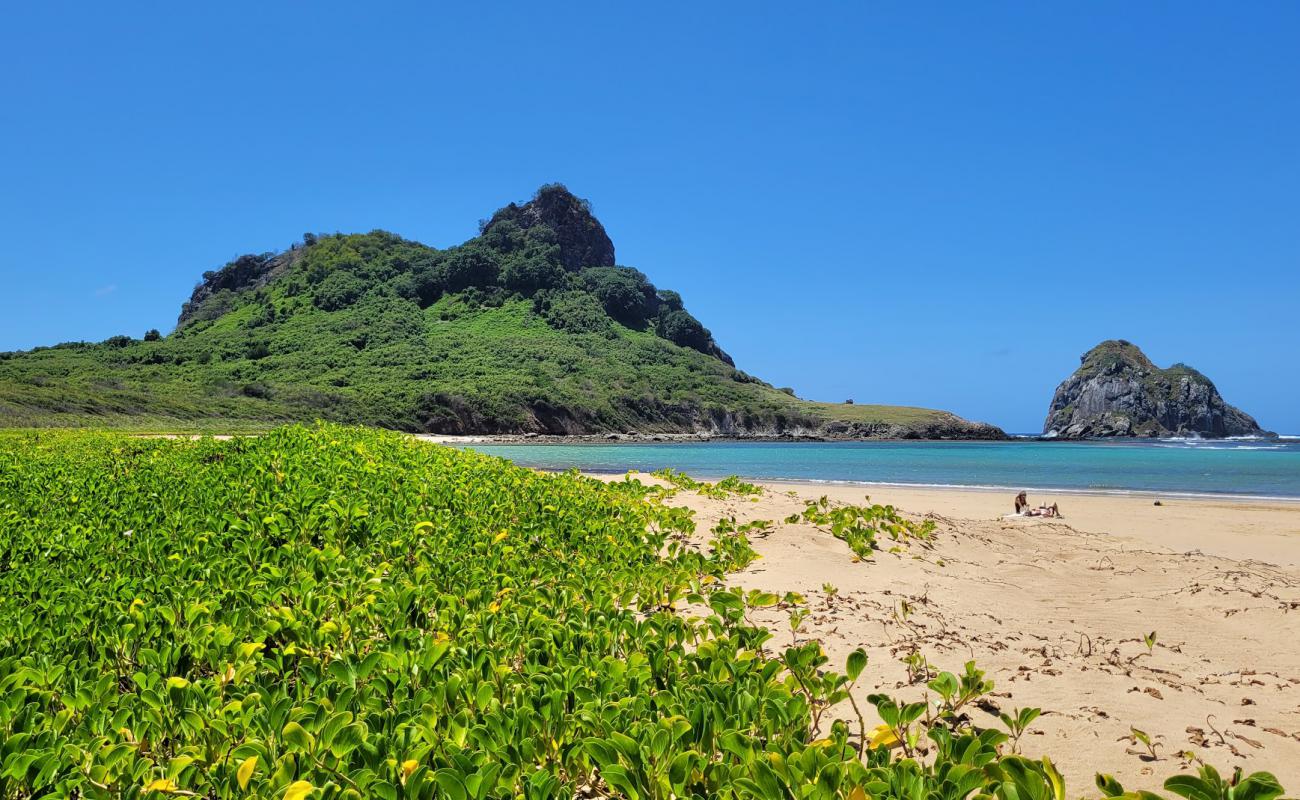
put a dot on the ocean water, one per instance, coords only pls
(1169, 466)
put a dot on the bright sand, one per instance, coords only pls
(1055, 611)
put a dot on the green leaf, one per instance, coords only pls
(297, 737)
(856, 663)
(1108, 785)
(450, 782)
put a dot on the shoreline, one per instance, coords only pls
(991, 489)
(1138, 494)
(700, 437)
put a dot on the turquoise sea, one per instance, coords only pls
(1255, 467)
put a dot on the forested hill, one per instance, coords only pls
(529, 327)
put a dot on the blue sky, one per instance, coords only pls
(938, 205)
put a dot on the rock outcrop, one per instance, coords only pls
(246, 272)
(582, 239)
(1117, 391)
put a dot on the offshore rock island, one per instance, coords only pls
(1118, 391)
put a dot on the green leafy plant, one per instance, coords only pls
(1017, 723)
(1207, 784)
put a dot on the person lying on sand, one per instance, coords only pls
(1043, 511)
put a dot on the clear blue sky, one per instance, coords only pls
(940, 205)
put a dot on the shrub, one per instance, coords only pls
(575, 312)
(527, 276)
(466, 267)
(339, 289)
(625, 293)
(679, 327)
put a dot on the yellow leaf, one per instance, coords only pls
(858, 793)
(161, 785)
(883, 736)
(245, 772)
(499, 537)
(494, 607)
(177, 683)
(298, 790)
(408, 767)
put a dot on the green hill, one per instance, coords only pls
(529, 327)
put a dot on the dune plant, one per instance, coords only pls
(860, 526)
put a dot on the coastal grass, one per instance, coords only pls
(872, 414)
(483, 370)
(333, 612)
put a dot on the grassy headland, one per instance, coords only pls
(530, 327)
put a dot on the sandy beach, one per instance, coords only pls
(1056, 612)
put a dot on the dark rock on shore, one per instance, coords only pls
(1118, 392)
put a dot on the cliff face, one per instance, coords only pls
(1118, 391)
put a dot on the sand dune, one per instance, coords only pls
(1056, 612)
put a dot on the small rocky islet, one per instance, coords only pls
(1117, 391)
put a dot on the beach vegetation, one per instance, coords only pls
(1017, 723)
(334, 613)
(730, 486)
(859, 526)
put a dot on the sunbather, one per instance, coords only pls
(1043, 511)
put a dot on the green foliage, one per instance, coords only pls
(573, 312)
(624, 293)
(859, 526)
(729, 486)
(1207, 784)
(500, 334)
(328, 612)
(338, 290)
(528, 276)
(679, 327)
(466, 267)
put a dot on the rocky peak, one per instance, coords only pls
(246, 272)
(1118, 391)
(580, 236)
(1114, 354)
